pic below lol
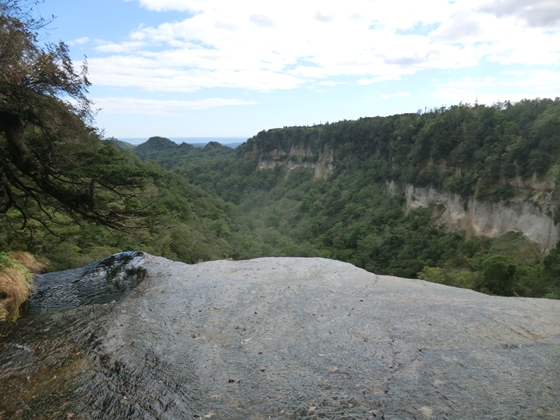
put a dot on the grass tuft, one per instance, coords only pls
(16, 280)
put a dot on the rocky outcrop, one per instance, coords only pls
(103, 281)
(300, 157)
(281, 338)
(527, 215)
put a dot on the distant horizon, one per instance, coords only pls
(189, 140)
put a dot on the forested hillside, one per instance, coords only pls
(70, 197)
(344, 211)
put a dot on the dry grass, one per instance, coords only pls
(14, 290)
(15, 282)
(28, 260)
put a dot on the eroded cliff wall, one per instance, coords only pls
(528, 214)
(300, 156)
(530, 211)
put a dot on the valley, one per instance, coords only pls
(462, 195)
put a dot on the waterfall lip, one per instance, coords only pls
(103, 281)
(281, 338)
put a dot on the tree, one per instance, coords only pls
(52, 161)
(499, 274)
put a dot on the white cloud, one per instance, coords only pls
(167, 5)
(514, 72)
(124, 47)
(121, 105)
(366, 82)
(261, 20)
(273, 45)
(535, 13)
(152, 74)
(534, 84)
(79, 41)
(323, 18)
(331, 83)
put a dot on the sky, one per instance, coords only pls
(223, 68)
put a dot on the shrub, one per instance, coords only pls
(499, 275)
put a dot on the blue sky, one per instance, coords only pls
(222, 68)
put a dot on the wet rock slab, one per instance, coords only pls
(283, 338)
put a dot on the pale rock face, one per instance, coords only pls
(485, 218)
(322, 164)
(528, 212)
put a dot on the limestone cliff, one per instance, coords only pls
(300, 156)
(529, 213)
(531, 209)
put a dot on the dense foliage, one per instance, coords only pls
(471, 150)
(71, 197)
(53, 164)
(192, 226)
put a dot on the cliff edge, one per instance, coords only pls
(282, 338)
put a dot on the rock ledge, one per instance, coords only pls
(284, 338)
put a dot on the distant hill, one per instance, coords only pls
(168, 153)
(122, 144)
(230, 145)
(157, 144)
(232, 142)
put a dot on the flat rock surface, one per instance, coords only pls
(284, 338)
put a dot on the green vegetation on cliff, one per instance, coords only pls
(471, 150)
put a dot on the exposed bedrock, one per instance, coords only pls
(486, 218)
(300, 156)
(279, 338)
(100, 282)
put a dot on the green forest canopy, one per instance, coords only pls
(53, 164)
(70, 196)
